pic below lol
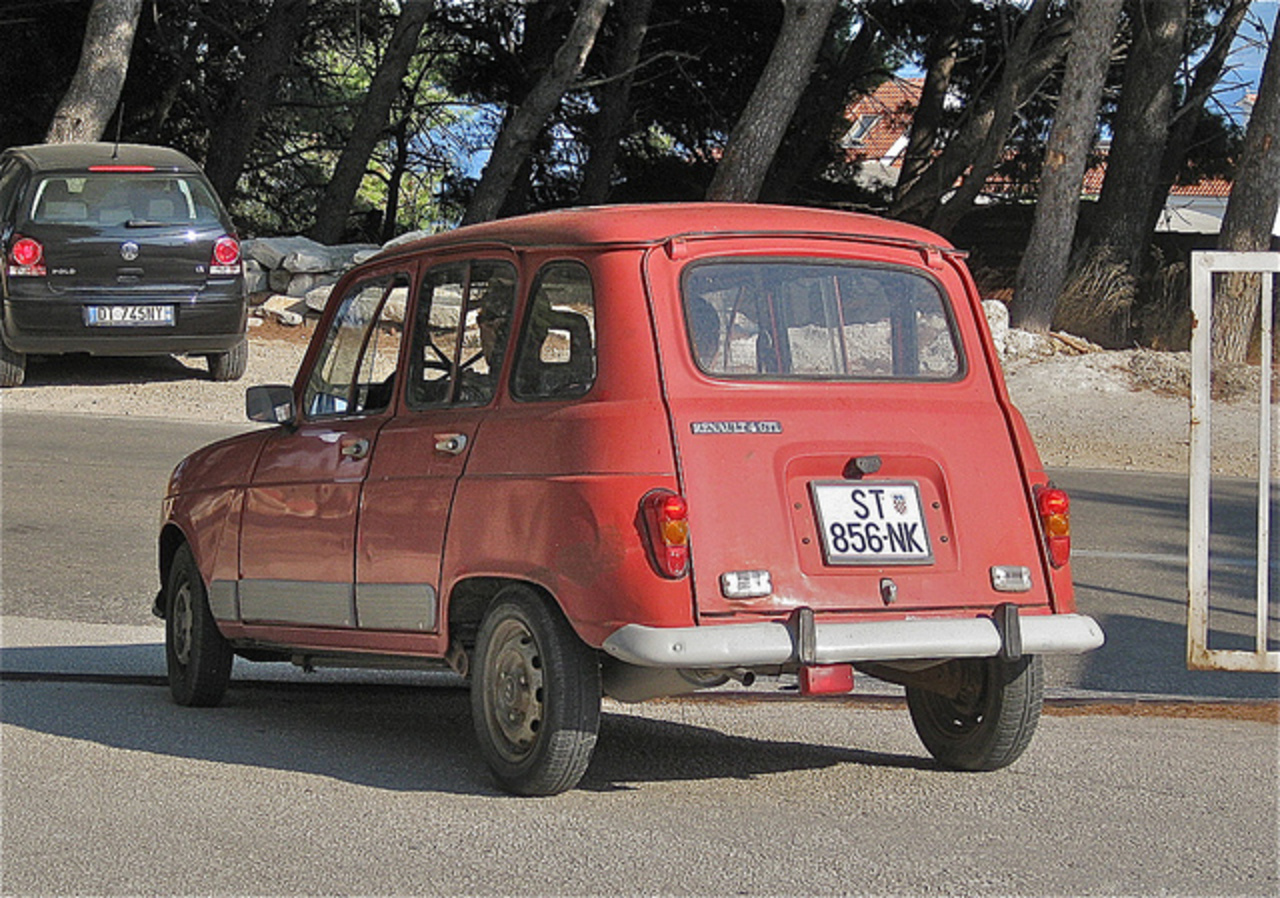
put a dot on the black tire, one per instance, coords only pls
(196, 654)
(229, 365)
(990, 723)
(535, 695)
(13, 366)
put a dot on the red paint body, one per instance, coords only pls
(549, 492)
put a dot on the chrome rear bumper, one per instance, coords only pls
(802, 640)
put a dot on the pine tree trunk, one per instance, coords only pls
(266, 62)
(1251, 215)
(1043, 270)
(523, 124)
(104, 61)
(758, 133)
(371, 123)
(615, 101)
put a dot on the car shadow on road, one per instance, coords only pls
(89, 370)
(398, 738)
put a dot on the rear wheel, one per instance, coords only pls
(991, 719)
(13, 366)
(197, 656)
(229, 365)
(535, 695)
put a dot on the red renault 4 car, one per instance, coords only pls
(639, 451)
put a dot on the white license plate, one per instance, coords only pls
(878, 522)
(128, 316)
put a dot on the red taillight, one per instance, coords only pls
(666, 517)
(123, 168)
(226, 256)
(26, 257)
(1054, 507)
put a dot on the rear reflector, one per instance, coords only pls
(826, 679)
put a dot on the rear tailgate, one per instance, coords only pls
(859, 484)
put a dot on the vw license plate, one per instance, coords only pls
(871, 523)
(128, 316)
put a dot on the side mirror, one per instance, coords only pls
(272, 404)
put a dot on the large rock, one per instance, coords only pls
(271, 251)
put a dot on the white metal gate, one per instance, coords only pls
(1199, 655)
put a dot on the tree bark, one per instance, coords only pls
(819, 120)
(1009, 96)
(266, 62)
(1043, 269)
(940, 61)
(104, 61)
(922, 199)
(523, 124)
(615, 101)
(370, 124)
(758, 133)
(1141, 130)
(1251, 214)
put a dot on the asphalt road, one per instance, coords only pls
(106, 787)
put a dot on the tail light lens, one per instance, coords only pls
(1054, 507)
(666, 517)
(226, 256)
(26, 257)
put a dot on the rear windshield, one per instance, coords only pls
(782, 318)
(114, 199)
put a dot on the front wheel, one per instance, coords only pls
(535, 695)
(990, 720)
(197, 656)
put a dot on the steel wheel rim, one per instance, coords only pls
(514, 690)
(181, 614)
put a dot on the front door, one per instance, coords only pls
(297, 552)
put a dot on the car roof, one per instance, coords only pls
(657, 223)
(79, 156)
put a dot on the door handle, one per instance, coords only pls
(451, 443)
(355, 449)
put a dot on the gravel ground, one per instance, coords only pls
(1121, 410)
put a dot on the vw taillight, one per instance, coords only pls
(1054, 508)
(666, 517)
(226, 256)
(26, 257)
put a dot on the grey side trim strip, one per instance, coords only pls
(224, 600)
(747, 645)
(396, 606)
(297, 602)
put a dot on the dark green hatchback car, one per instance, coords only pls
(116, 250)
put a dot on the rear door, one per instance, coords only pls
(841, 445)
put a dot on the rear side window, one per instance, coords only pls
(772, 318)
(113, 199)
(557, 357)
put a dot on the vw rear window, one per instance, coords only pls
(797, 319)
(113, 200)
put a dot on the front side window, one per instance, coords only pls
(134, 200)
(354, 373)
(783, 319)
(557, 358)
(460, 333)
